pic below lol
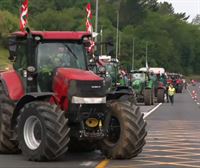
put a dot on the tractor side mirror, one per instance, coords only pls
(12, 46)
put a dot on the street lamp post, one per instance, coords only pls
(117, 36)
(133, 54)
(96, 20)
(147, 66)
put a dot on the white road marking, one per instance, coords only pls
(151, 111)
(89, 163)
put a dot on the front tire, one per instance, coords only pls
(42, 130)
(126, 134)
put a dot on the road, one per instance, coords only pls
(173, 141)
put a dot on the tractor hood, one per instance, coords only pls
(137, 86)
(136, 82)
(76, 74)
(75, 82)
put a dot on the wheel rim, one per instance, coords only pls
(32, 132)
(114, 131)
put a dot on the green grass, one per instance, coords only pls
(4, 62)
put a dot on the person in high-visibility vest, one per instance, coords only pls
(171, 93)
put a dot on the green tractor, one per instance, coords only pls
(157, 75)
(143, 86)
(116, 80)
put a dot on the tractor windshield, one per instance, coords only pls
(61, 54)
(110, 68)
(138, 76)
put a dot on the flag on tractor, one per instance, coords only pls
(92, 44)
(89, 18)
(89, 27)
(24, 15)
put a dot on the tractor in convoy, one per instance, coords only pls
(51, 103)
(157, 75)
(177, 81)
(116, 78)
(143, 86)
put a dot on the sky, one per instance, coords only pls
(191, 7)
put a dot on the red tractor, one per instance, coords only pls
(51, 102)
(177, 81)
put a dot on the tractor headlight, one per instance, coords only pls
(31, 69)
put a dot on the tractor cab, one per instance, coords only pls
(37, 55)
(138, 75)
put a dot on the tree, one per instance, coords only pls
(196, 20)
(131, 13)
(8, 24)
(165, 8)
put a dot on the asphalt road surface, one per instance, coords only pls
(173, 141)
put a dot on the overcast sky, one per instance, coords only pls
(191, 7)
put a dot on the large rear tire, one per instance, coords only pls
(147, 97)
(42, 130)
(126, 134)
(161, 96)
(7, 146)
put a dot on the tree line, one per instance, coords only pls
(173, 42)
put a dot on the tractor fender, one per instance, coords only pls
(12, 85)
(119, 92)
(125, 90)
(148, 87)
(161, 87)
(26, 99)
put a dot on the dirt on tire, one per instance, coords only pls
(127, 131)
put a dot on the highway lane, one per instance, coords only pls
(78, 160)
(173, 139)
(157, 142)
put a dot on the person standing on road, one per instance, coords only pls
(184, 83)
(171, 93)
(166, 92)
